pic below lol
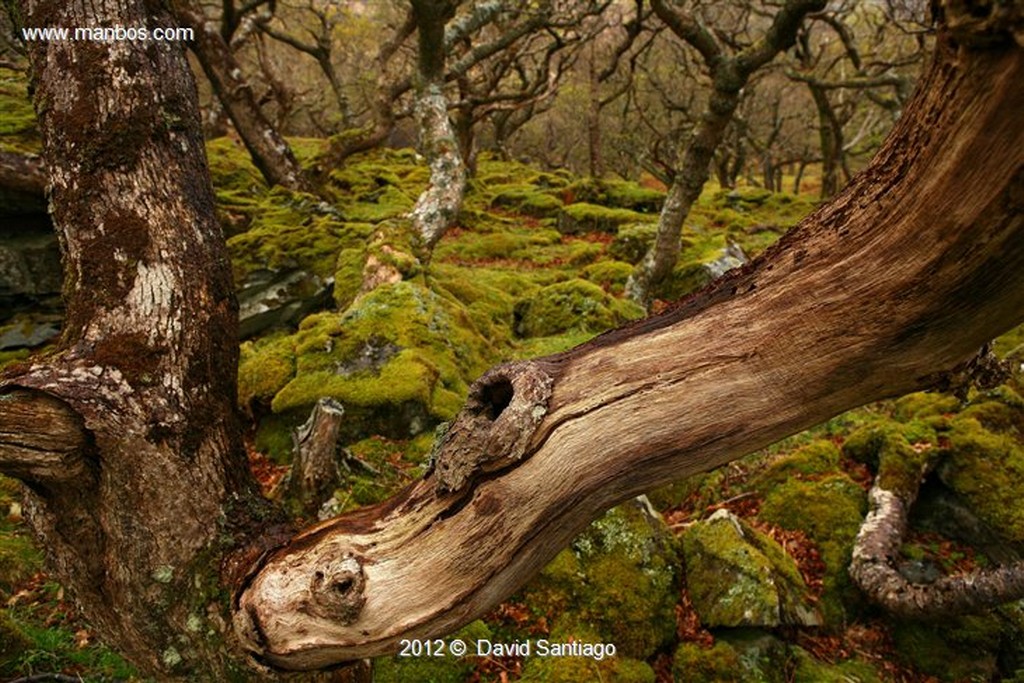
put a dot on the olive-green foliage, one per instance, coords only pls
(807, 669)
(830, 512)
(583, 217)
(632, 242)
(400, 344)
(394, 463)
(811, 461)
(899, 452)
(575, 669)
(986, 469)
(527, 200)
(575, 304)
(619, 579)
(294, 230)
(737, 576)
(610, 275)
(696, 664)
(19, 558)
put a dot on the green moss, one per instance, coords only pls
(807, 669)
(609, 275)
(815, 459)
(18, 130)
(265, 367)
(955, 649)
(618, 579)
(527, 200)
(632, 241)
(575, 669)
(19, 558)
(696, 664)
(294, 231)
(397, 347)
(568, 305)
(626, 194)
(737, 576)
(830, 512)
(986, 469)
(513, 244)
(348, 276)
(924, 404)
(583, 217)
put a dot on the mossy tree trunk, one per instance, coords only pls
(729, 75)
(268, 149)
(438, 206)
(125, 435)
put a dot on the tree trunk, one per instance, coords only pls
(315, 474)
(126, 436)
(906, 273)
(269, 151)
(831, 141)
(438, 206)
(729, 76)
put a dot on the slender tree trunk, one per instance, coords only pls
(830, 137)
(438, 206)
(269, 151)
(729, 75)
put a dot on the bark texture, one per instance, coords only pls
(126, 435)
(908, 271)
(438, 206)
(314, 474)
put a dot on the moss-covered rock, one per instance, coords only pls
(18, 130)
(807, 669)
(632, 241)
(609, 275)
(737, 576)
(697, 664)
(400, 359)
(572, 304)
(957, 649)
(618, 580)
(811, 461)
(583, 217)
(830, 512)
(986, 469)
(527, 200)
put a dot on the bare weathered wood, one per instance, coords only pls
(314, 473)
(42, 440)
(900, 279)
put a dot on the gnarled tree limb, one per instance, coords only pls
(908, 272)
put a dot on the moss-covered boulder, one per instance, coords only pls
(400, 360)
(574, 304)
(582, 217)
(611, 276)
(632, 241)
(956, 649)
(737, 576)
(813, 460)
(806, 669)
(527, 200)
(829, 511)
(618, 581)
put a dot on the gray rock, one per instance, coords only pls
(269, 299)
